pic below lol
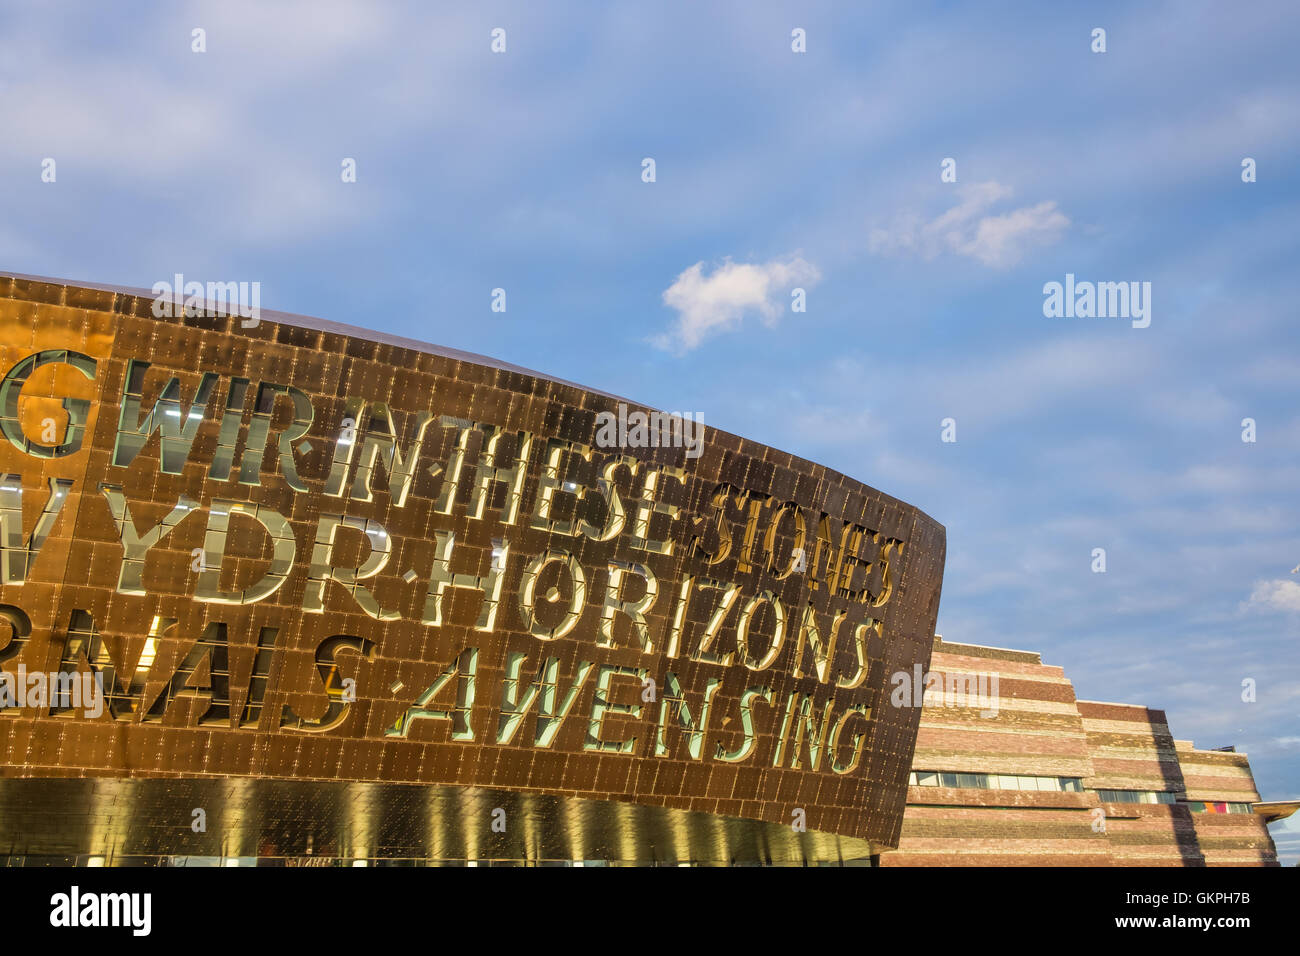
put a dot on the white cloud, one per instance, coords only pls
(708, 304)
(995, 240)
(1278, 594)
(1000, 241)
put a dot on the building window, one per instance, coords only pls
(1199, 806)
(995, 781)
(1137, 796)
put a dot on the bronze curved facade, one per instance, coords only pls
(291, 550)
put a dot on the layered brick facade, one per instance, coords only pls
(1032, 728)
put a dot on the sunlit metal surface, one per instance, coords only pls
(296, 550)
(141, 821)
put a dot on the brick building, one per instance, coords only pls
(1023, 773)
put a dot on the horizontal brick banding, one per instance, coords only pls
(1036, 728)
(986, 653)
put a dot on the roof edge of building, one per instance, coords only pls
(1116, 703)
(986, 651)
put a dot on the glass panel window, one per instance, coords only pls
(1201, 806)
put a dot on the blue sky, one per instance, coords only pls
(523, 171)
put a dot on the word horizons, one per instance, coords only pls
(1101, 300)
(651, 430)
(59, 689)
(76, 909)
(194, 299)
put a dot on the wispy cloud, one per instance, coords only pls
(998, 241)
(1278, 595)
(718, 302)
